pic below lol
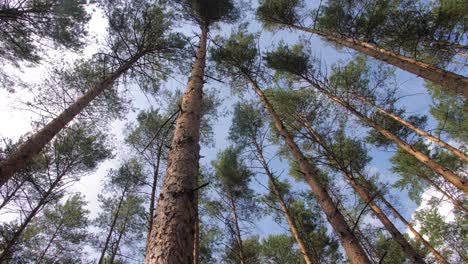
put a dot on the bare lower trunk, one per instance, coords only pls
(368, 199)
(196, 241)
(26, 151)
(111, 230)
(284, 208)
(117, 243)
(421, 132)
(449, 175)
(153, 192)
(171, 239)
(415, 233)
(237, 231)
(348, 240)
(448, 80)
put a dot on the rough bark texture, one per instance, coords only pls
(416, 129)
(416, 233)
(171, 239)
(449, 175)
(369, 199)
(26, 151)
(449, 80)
(284, 208)
(348, 240)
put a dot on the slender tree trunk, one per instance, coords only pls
(421, 132)
(454, 201)
(284, 208)
(196, 241)
(348, 240)
(449, 80)
(415, 233)
(114, 222)
(153, 192)
(117, 243)
(449, 175)
(8, 197)
(238, 234)
(26, 151)
(171, 239)
(42, 202)
(368, 199)
(57, 231)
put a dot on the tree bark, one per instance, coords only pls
(416, 233)
(449, 175)
(348, 240)
(196, 241)
(153, 192)
(109, 235)
(26, 151)
(451, 81)
(416, 129)
(284, 208)
(368, 199)
(171, 239)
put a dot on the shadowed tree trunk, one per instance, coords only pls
(348, 240)
(368, 199)
(237, 231)
(449, 175)
(448, 80)
(172, 237)
(26, 151)
(421, 132)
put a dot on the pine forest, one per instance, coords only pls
(233, 131)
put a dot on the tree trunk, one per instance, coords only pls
(26, 151)
(171, 238)
(416, 233)
(153, 192)
(109, 235)
(449, 175)
(42, 202)
(284, 208)
(451, 81)
(57, 231)
(368, 199)
(421, 132)
(196, 240)
(237, 231)
(348, 240)
(117, 243)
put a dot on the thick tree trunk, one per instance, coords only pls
(284, 208)
(42, 202)
(416, 129)
(171, 239)
(237, 231)
(26, 151)
(415, 233)
(449, 175)
(348, 240)
(368, 199)
(111, 230)
(451, 81)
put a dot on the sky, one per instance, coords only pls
(17, 121)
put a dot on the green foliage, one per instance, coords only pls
(208, 12)
(236, 55)
(414, 175)
(451, 112)
(450, 237)
(390, 251)
(251, 250)
(351, 153)
(295, 59)
(27, 26)
(279, 13)
(248, 124)
(280, 248)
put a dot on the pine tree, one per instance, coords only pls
(286, 14)
(237, 58)
(172, 238)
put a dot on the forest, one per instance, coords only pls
(233, 131)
